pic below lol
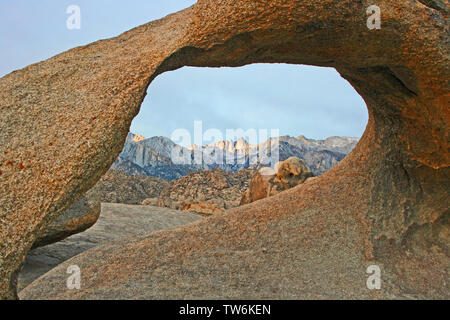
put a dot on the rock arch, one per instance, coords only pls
(63, 121)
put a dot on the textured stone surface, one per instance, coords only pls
(268, 182)
(118, 187)
(82, 215)
(291, 173)
(207, 207)
(206, 191)
(65, 120)
(151, 157)
(116, 221)
(150, 202)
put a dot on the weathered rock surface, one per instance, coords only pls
(291, 173)
(207, 207)
(268, 182)
(116, 221)
(64, 121)
(118, 187)
(150, 202)
(151, 157)
(82, 215)
(260, 187)
(206, 192)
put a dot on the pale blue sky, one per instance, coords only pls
(315, 102)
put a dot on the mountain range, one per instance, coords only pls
(155, 156)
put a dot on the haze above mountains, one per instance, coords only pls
(153, 156)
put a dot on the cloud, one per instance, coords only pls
(312, 101)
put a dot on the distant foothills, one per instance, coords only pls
(153, 156)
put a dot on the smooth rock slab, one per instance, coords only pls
(116, 221)
(82, 215)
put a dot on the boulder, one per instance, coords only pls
(64, 121)
(261, 186)
(150, 202)
(208, 207)
(291, 173)
(119, 187)
(268, 182)
(206, 191)
(82, 215)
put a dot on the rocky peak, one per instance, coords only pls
(138, 138)
(153, 156)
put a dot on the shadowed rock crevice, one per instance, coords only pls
(75, 112)
(436, 4)
(116, 221)
(82, 215)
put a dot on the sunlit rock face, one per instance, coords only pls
(64, 121)
(268, 181)
(206, 192)
(153, 156)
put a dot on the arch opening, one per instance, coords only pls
(312, 107)
(389, 196)
(316, 115)
(239, 119)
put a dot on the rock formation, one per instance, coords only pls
(268, 182)
(152, 157)
(64, 121)
(291, 173)
(118, 187)
(116, 221)
(260, 187)
(82, 215)
(205, 192)
(150, 202)
(207, 207)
